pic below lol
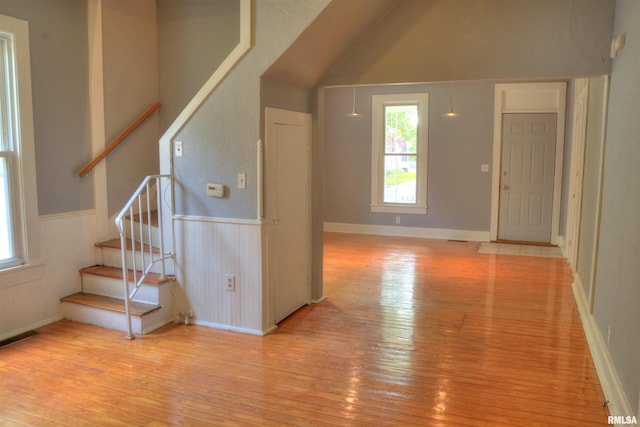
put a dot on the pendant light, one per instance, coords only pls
(451, 112)
(353, 112)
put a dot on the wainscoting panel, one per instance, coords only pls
(210, 249)
(31, 298)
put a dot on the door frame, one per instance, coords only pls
(274, 116)
(549, 97)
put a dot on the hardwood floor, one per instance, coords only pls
(413, 332)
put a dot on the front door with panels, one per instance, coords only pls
(288, 201)
(527, 177)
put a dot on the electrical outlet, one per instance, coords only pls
(397, 219)
(230, 282)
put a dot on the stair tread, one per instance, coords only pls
(116, 273)
(110, 303)
(115, 244)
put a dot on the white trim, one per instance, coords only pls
(580, 108)
(236, 328)
(72, 214)
(399, 209)
(528, 98)
(220, 220)
(596, 232)
(399, 231)
(609, 380)
(97, 120)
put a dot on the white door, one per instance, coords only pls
(526, 177)
(287, 204)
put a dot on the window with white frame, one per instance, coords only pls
(399, 153)
(18, 205)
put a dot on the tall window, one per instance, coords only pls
(18, 205)
(9, 232)
(399, 153)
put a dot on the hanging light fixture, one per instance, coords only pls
(353, 112)
(451, 112)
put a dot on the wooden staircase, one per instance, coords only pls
(101, 299)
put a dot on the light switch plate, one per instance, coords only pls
(242, 181)
(177, 147)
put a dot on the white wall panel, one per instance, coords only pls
(32, 299)
(209, 249)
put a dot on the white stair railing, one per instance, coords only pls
(144, 248)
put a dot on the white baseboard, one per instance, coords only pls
(235, 328)
(562, 245)
(318, 300)
(400, 231)
(609, 380)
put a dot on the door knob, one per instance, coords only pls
(276, 221)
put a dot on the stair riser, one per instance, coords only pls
(155, 233)
(114, 288)
(112, 257)
(114, 320)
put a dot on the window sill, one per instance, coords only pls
(15, 276)
(400, 209)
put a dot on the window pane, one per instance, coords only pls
(401, 124)
(6, 244)
(400, 179)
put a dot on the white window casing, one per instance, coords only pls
(378, 107)
(17, 152)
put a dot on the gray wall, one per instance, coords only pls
(458, 194)
(195, 36)
(441, 40)
(130, 50)
(59, 70)
(617, 298)
(220, 140)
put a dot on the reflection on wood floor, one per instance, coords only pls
(413, 332)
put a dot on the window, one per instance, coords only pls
(399, 153)
(18, 205)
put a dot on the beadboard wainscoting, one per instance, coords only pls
(30, 295)
(207, 251)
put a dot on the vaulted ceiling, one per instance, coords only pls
(338, 27)
(416, 41)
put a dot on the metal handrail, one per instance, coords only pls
(140, 204)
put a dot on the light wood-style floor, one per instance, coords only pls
(413, 332)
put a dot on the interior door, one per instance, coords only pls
(526, 177)
(287, 204)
